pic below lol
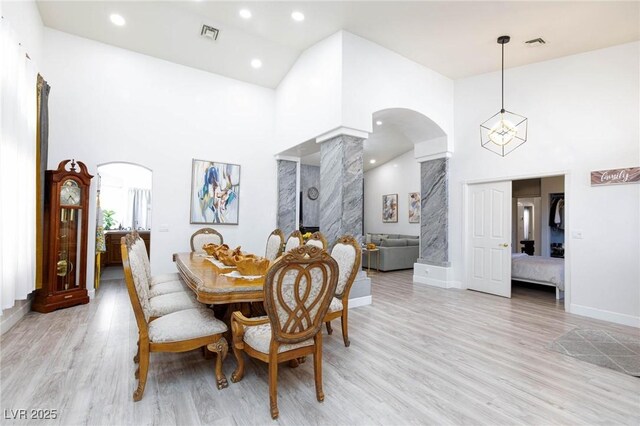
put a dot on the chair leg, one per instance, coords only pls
(345, 327)
(329, 328)
(143, 370)
(317, 366)
(238, 374)
(221, 348)
(273, 385)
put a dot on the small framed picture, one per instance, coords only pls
(414, 207)
(390, 208)
(215, 192)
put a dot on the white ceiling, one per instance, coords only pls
(457, 39)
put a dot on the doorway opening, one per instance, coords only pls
(527, 215)
(123, 205)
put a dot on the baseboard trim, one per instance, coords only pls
(9, 321)
(360, 301)
(601, 314)
(436, 283)
(435, 276)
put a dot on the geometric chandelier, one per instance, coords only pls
(505, 130)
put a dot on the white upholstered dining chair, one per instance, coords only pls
(297, 292)
(275, 242)
(158, 284)
(205, 236)
(317, 239)
(347, 254)
(180, 331)
(294, 240)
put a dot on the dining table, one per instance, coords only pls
(215, 283)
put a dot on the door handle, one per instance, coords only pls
(503, 245)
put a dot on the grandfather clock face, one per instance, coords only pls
(70, 193)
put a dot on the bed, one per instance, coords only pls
(538, 270)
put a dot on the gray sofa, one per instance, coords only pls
(397, 251)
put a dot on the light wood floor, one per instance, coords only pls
(418, 355)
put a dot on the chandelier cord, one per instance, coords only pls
(502, 110)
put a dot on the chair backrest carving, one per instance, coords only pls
(274, 245)
(318, 240)
(136, 280)
(347, 254)
(205, 236)
(298, 291)
(294, 240)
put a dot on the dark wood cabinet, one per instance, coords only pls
(113, 255)
(66, 209)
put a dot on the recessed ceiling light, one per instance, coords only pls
(256, 63)
(245, 13)
(297, 16)
(117, 19)
(395, 165)
(372, 161)
(378, 123)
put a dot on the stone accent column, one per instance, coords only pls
(341, 191)
(434, 222)
(287, 184)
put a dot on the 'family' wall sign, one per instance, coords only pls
(615, 176)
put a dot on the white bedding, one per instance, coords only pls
(538, 268)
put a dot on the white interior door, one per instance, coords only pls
(489, 238)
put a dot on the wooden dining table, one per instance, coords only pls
(210, 281)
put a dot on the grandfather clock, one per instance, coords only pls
(66, 212)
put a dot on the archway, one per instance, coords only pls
(123, 204)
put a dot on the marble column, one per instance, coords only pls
(434, 222)
(341, 190)
(287, 183)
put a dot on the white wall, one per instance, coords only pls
(308, 100)
(398, 176)
(108, 104)
(584, 115)
(344, 79)
(376, 78)
(26, 22)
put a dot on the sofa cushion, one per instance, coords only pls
(393, 236)
(413, 242)
(394, 243)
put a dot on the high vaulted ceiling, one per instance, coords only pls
(457, 39)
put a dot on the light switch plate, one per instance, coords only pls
(576, 235)
(163, 228)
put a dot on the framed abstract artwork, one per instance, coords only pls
(215, 192)
(390, 208)
(414, 207)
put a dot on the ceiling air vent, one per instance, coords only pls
(209, 32)
(538, 40)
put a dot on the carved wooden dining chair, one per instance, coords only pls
(297, 292)
(294, 240)
(275, 242)
(347, 254)
(179, 331)
(317, 239)
(158, 284)
(205, 236)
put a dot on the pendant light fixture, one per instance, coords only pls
(504, 131)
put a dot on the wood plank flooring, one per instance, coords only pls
(418, 355)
